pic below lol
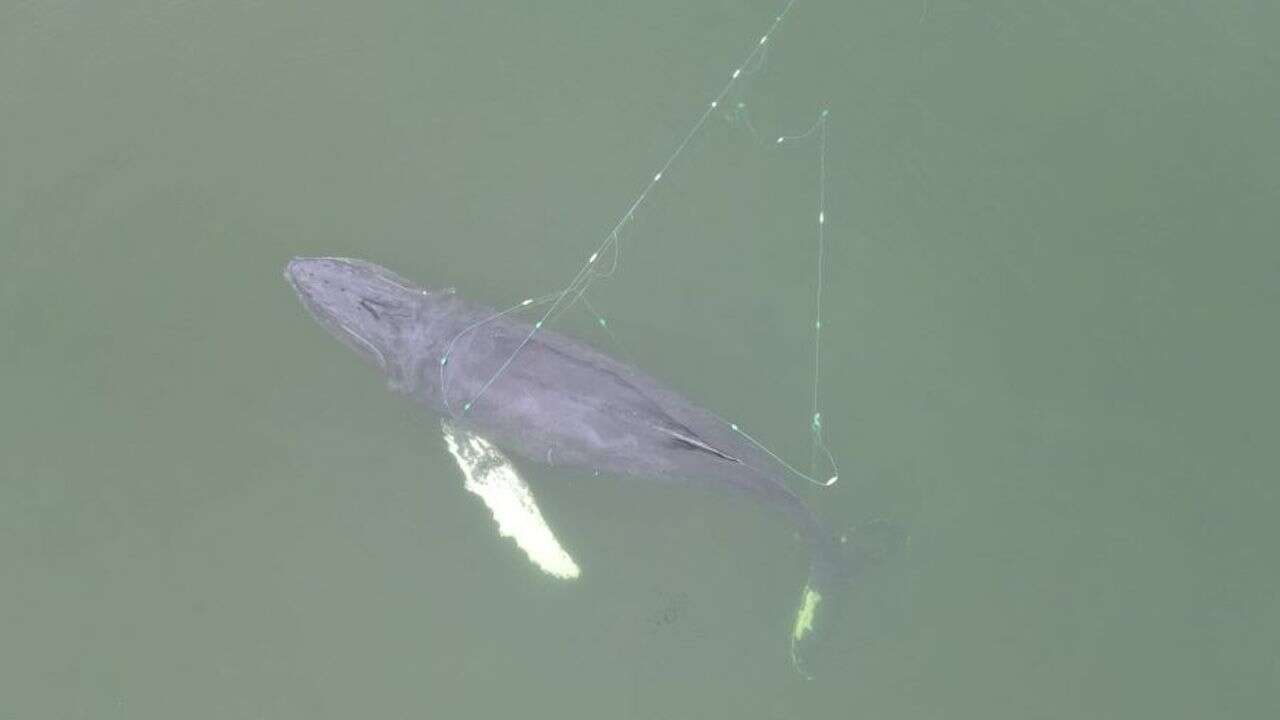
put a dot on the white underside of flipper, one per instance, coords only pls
(492, 477)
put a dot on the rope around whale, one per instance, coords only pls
(565, 298)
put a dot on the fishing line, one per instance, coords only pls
(609, 249)
(818, 445)
(741, 117)
(444, 358)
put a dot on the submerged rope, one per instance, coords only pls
(589, 272)
(818, 445)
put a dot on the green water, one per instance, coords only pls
(1050, 351)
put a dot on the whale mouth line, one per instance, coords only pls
(382, 359)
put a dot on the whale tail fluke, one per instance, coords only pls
(835, 567)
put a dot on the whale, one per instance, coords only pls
(551, 399)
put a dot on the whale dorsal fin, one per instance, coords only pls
(686, 438)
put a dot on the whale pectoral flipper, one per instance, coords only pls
(492, 477)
